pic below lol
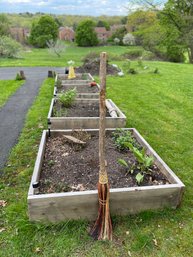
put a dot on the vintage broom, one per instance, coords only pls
(102, 229)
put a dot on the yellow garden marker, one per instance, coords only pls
(71, 74)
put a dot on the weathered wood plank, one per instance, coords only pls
(57, 207)
(38, 163)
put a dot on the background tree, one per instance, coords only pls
(177, 20)
(85, 34)
(139, 21)
(56, 47)
(9, 48)
(105, 24)
(177, 17)
(44, 30)
(4, 25)
(58, 22)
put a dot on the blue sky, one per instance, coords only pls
(81, 7)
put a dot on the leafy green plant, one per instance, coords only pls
(121, 137)
(144, 160)
(68, 98)
(139, 178)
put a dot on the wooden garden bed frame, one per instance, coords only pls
(86, 122)
(56, 207)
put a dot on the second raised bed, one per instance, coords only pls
(84, 114)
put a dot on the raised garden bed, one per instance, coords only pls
(83, 114)
(79, 79)
(83, 86)
(62, 166)
(83, 91)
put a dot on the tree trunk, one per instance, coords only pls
(190, 53)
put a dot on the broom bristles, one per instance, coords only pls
(102, 229)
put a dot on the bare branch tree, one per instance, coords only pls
(57, 47)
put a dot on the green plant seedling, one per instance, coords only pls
(139, 178)
(121, 137)
(123, 162)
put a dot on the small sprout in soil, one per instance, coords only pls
(68, 98)
(139, 178)
(124, 164)
(51, 163)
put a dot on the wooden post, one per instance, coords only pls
(102, 229)
(102, 125)
(22, 75)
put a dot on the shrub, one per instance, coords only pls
(129, 39)
(68, 98)
(8, 47)
(90, 56)
(133, 54)
(132, 71)
(18, 77)
(116, 41)
(56, 47)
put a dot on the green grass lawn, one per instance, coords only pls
(7, 88)
(41, 57)
(160, 107)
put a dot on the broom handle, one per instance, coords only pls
(102, 174)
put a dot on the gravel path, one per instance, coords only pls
(12, 114)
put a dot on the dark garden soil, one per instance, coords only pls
(80, 88)
(92, 67)
(78, 110)
(73, 167)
